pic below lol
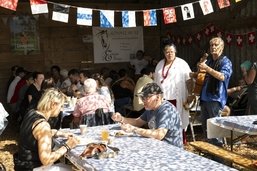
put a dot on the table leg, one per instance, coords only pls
(231, 140)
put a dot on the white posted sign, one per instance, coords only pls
(116, 44)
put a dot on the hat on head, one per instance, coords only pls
(150, 88)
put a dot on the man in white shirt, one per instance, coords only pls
(20, 72)
(139, 63)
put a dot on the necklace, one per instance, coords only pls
(165, 75)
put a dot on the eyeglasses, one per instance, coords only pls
(144, 98)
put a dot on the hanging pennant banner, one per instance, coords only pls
(223, 3)
(9, 4)
(251, 38)
(84, 16)
(187, 11)
(116, 44)
(128, 19)
(61, 13)
(106, 18)
(206, 6)
(229, 39)
(239, 40)
(150, 18)
(169, 15)
(38, 6)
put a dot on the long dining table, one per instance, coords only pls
(138, 153)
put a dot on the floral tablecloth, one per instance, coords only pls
(141, 154)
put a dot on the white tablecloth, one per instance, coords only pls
(139, 154)
(219, 127)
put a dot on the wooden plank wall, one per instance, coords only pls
(61, 43)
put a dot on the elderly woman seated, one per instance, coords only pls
(86, 107)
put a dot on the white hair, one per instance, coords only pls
(64, 73)
(90, 86)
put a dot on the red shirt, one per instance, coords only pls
(15, 96)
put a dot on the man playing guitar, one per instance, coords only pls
(213, 96)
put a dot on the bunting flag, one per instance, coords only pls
(169, 15)
(184, 40)
(220, 34)
(106, 18)
(150, 18)
(229, 39)
(212, 28)
(38, 6)
(190, 40)
(251, 38)
(187, 11)
(207, 31)
(178, 40)
(61, 13)
(84, 16)
(9, 4)
(198, 36)
(206, 6)
(128, 19)
(223, 3)
(239, 40)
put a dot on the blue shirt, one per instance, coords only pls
(166, 116)
(221, 96)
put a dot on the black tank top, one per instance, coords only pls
(28, 145)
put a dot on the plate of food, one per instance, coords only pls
(121, 133)
(99, 150)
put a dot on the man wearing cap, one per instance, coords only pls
(160, 115)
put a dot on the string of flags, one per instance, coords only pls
(239, 40)
(85, 15)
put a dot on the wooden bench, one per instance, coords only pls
(227, 155)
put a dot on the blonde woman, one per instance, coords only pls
(35, 146)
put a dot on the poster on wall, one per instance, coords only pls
(24, 35)
(116, 44)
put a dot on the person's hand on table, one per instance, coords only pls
(116, 117)
(128, 128)
(72, 141)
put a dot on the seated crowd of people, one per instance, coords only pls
(110, 91)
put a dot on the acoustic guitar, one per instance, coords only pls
(200, 77)
(194, 86)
